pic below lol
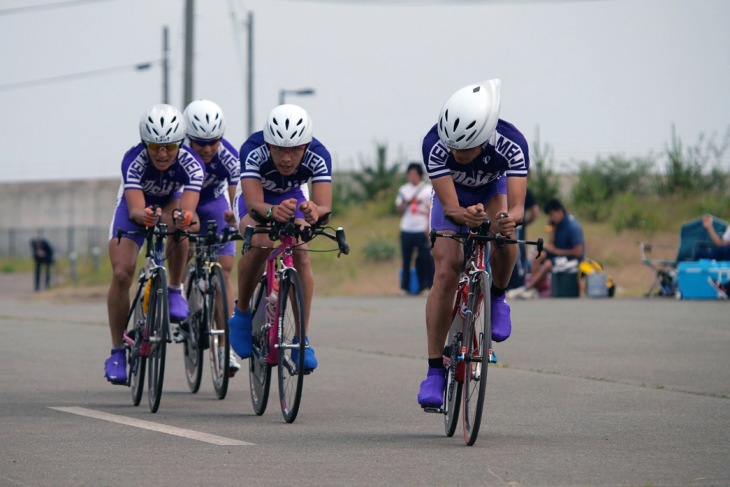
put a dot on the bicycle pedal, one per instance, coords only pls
(427, 409)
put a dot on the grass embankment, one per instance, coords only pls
(354, 274)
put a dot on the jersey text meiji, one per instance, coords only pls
(511, 151)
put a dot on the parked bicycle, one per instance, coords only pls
(468, 349)
(148, 319)
(279, 315)
(206, 328)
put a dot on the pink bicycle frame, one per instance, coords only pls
(283, 250)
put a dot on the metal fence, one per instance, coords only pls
(82, 240)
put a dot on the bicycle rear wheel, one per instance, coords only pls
(477, 347)
(217, 328)
(454, 384)
(158, 324)
(259, 373)
(137, 362)
(192, 351)
(291, 323)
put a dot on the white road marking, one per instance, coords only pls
(149, 425)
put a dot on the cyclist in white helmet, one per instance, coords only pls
(157, 171)
(478, 166)
(276, 165)
(206, 126)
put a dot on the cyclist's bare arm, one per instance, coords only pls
(320, 204)
(472, 216)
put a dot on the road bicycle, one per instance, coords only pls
(278, 312)
(468, 349)
(148, 320)
(206, 328)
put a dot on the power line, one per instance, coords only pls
(85, 74)
(46, 6)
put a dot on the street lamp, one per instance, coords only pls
(300, 92)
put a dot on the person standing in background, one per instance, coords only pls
(414, 205)
(42, 256)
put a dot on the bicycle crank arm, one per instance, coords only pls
(427, 409)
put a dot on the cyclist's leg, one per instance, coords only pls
(251, 266)
(502, 261)
(123, 258)
(448, 256)
(177, 253)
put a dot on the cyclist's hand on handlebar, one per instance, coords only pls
(474, 215)
(182, 219)
(311, 211)
(284, 211)
(506, 225)
(151, 217)
(230, 218)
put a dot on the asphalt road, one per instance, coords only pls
(588, 393)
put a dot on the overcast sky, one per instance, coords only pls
(597, 77)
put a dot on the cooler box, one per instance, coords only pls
(694, 278)
(564, 285)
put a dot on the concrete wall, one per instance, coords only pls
(72, 215)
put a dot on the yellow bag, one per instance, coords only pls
(589, 266)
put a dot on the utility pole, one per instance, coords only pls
(165, 65)
(189, 47)
(249, 75)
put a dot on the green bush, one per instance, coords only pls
(543, 182)
(378, 250)
(605, 179)
(629, 212)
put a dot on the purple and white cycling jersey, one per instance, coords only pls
(138, 172)
(506, 154)
(220, 173)
(256, 163)
(158, 187)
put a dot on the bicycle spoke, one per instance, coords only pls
(217, 328)
(192, 351)
(291, 355)
(158, 323)
(477, 341)
(259, 373)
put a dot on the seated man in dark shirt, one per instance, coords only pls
(567, 243)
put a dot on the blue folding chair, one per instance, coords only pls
(693, 237)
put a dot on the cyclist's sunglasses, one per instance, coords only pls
(205, 142)
(283, 150)
(155, 147)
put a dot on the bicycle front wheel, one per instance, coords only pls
(477, 347)
(259, 372)
(291, 344)
(158, 324)
(137, 361)
(217, 328)
(454, 383)
(192, 351)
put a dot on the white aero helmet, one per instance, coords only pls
(204, 120)
(469, 117)
(288, 126)
(162, 124)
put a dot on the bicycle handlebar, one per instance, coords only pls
(482, 234)
(276, 230)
